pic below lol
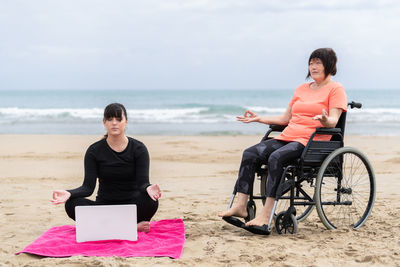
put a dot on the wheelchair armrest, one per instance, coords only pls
(337, 132)
(277, 128)
(273, 128)
(331, 131)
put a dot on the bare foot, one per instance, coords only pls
(259, 220)
(143, 226)
(235, 210)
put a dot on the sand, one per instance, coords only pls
(196, 174)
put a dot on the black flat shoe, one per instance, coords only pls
(234, 221)
(259, 230)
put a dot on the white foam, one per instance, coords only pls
(266, 109)
(172, 115)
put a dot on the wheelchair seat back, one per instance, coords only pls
(316, 151)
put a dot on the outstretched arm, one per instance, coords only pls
(283, 119)
(142, 167)
(89, 182)
(329, 120)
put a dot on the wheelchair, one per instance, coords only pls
(339, 181)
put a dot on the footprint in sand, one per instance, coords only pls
(210, 246)
(365, 259)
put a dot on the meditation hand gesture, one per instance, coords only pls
(154, 191)
(323, 118)
(248, 116)
(60, 196)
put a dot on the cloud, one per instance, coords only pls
(194, 44)
(277, 5)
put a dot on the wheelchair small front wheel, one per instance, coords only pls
(285, 224)
(284, 202)
(345, 189)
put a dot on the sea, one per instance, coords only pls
(178, 112)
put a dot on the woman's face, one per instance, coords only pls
(115, 126)
(316, 69)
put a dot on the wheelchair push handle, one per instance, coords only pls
(353, 104)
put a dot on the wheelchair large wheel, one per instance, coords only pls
(283, 204)
(345, 189)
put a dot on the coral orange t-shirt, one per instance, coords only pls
(307, 103)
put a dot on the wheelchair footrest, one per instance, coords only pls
(259, 230)
(234, 221)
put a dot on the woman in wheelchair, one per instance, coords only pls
(315, 104)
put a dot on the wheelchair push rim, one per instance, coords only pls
(345, 189)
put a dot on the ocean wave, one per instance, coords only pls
(376, 115)
(178, 115)
(267, 110)
(200, 114)
(58, 114)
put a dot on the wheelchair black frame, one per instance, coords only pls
(307, 166)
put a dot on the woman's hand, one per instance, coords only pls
(329, 120)
(323, 118)
(60, 196)
(249, 116)
(154, 191)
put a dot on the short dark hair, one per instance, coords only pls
(328, 58)
(114, 110)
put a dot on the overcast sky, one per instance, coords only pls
(194, 44)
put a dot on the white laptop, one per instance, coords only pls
(105, 222)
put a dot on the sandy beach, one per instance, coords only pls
(196, 174)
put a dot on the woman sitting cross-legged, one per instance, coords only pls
(121, 164)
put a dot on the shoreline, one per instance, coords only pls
(211, 134)
(196, 175)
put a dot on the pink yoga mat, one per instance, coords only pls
(166, 238)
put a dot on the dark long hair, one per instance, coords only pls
(328, 58)
(114, 110)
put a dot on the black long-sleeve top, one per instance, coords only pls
(122, 175)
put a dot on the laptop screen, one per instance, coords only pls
(106, 222)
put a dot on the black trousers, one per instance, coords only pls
(146, 207)
(274, 153)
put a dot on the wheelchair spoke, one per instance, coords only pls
(360, 175)
(345, 189)
(361, 203)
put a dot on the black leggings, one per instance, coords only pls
(146, 207)
(273, 152)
